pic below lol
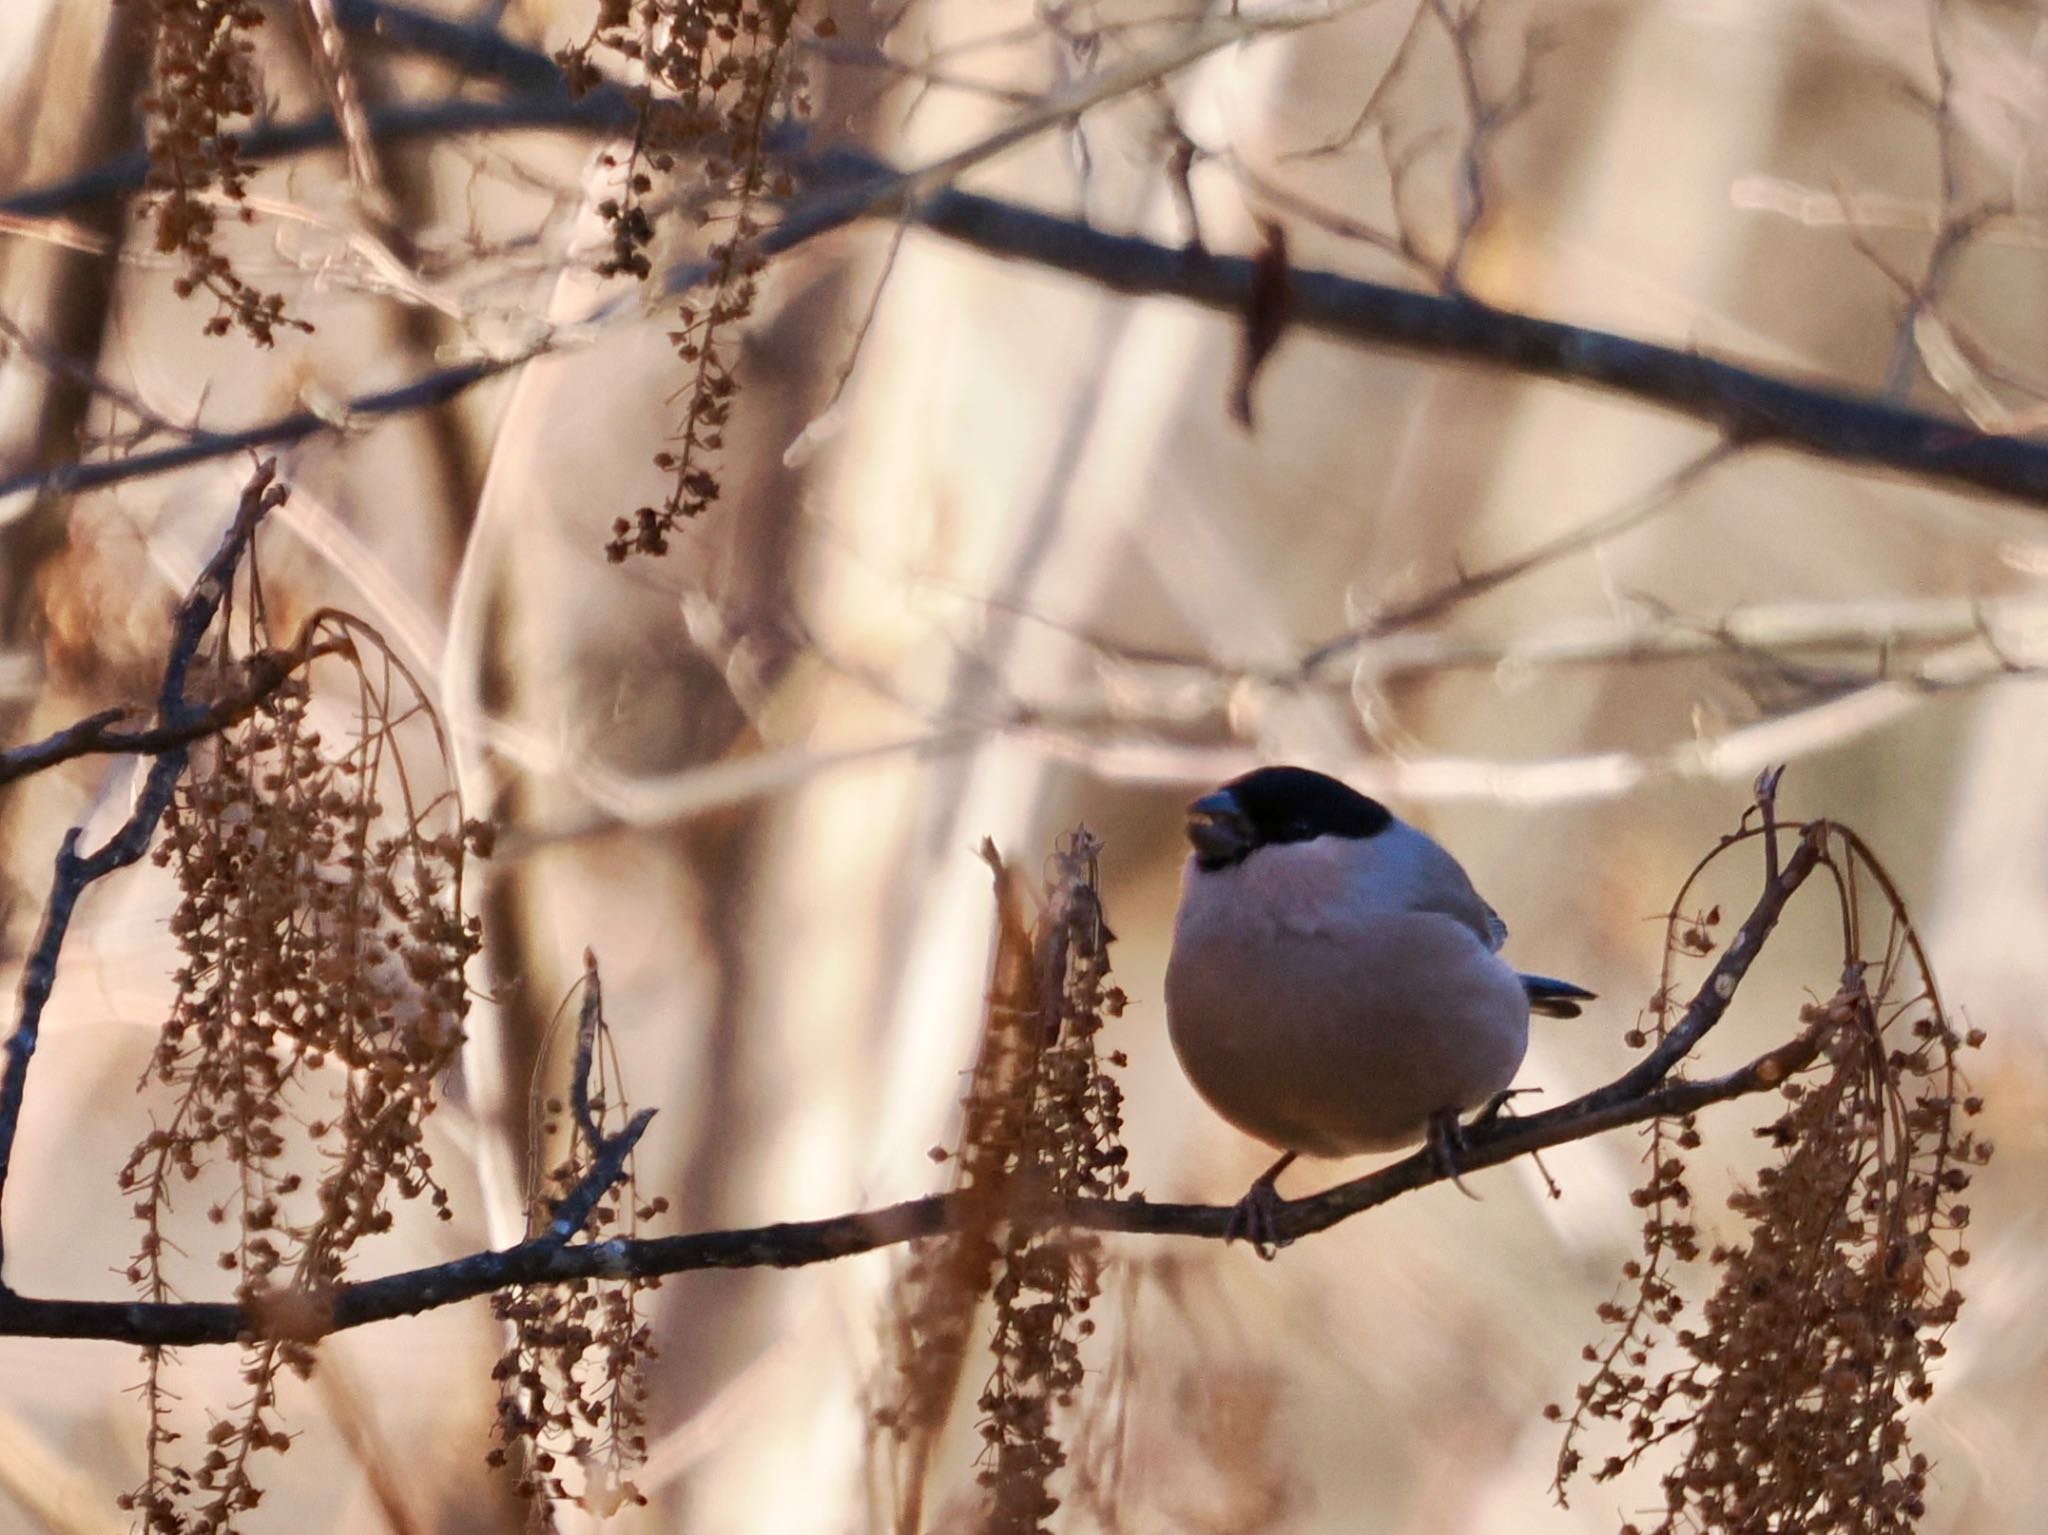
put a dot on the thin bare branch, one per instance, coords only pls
(76, 871)
(609, 1167)
(96, 735)
(365, 410)
(1749, 407)
(1376, 98)
(1761, 634)
(1421, 610)
(1647, 1091)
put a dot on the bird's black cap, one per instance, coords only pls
(1276, 805)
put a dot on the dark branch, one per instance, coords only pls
(422, 393)
(799, 1244)
(76, 871)
(96, 734)
(481, 51)
(1748, 407)
(1646, 1092)
(395, 124)
(571, 1214)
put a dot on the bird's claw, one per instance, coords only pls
(1255, 1219)
(1496, 1105)
(1446, 1141)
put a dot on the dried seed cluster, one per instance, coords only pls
(1069, 1142)
(203, 80)
(1785, 1409)
(572, 1387)
(716, 76)
(1042, 1122)
(321, 996)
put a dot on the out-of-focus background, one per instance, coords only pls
(992, 558)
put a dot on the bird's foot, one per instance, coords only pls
(1446, 1143)
(1255, 1217)
(1494, 1109)
(1497, 1105)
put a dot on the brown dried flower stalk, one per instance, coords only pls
(716, 76)
(322, 995)
(1042, 1121)
(203, 81)
(1785, 1407)
(573, 1383)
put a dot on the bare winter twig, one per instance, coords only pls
(1648, 1091)
(1748, 407)
(97, 735)
(76, 871)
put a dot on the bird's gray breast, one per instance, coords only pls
(1320, 1016)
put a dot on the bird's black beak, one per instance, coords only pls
(1218, 829)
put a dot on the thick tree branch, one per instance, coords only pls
(1749, 407)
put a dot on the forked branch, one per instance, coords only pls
(75, 871)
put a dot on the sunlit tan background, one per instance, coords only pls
(1022, 570)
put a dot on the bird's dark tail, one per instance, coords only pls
(1554, 999)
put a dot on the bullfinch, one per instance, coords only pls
(1336, 984)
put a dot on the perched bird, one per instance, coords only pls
(1336, 984)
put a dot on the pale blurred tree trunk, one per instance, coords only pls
(78, 112)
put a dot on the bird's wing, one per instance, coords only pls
(1496, 930)
(1407, 869)
(1458, 900)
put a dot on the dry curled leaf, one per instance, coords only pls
(1267, 310)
